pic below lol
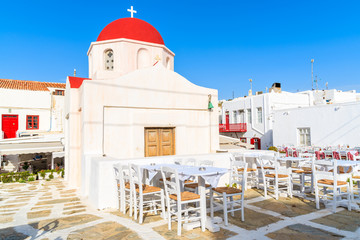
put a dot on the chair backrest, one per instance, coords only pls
(136, 177)
(121, 174)
(343, 155)
(238, 177)
(205, 163)
(322, 170)
(290, 152)
(329, 154)
(189, 161)
(266, 161)
(171, 182)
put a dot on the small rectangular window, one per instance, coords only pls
(259, 115)
(235, 117)
(304, 137)
(59, 92)
(32, 122)
(249, 116)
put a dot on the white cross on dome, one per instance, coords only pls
(132, 11)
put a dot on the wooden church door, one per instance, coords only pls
(159, 141)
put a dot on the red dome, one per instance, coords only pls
(131, 28)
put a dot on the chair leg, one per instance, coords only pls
(135, 206)
(334, 199)
(179, 208)
(317, 200)
(289, 188)
(350, 197)
(276, 183)
(169, 215)
(232, 206)
(242, 207)
(163, 215)
(225, 209)
(211, 203)
(141, 209)
(131, 203)
(265, 187)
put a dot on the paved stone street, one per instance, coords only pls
(50, 210)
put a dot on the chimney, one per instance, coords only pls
(276, 87)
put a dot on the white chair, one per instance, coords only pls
(177, 201)
(236, 187)
(123, 186)
(304, 172)
(355, 187)
(329, 154)
(328, 182)
(252, 173)
(275, 175)
(144, 195)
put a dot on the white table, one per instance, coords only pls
(210, 174)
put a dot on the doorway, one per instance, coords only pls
(159, 142)
(256, 142)
(10, 125)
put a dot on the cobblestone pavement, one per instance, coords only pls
(50, 210)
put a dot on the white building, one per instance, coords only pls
(319, 125)
(133, 104)
(30, 108)
(252, 118)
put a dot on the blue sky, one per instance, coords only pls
(218, 44)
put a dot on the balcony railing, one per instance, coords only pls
(235, 127)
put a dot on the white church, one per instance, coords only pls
(133, 104)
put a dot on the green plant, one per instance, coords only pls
(272, 148)
(22, 180)
(51, 176)
(234, 185)
(62, 173)
(42, 174)
(31, 179)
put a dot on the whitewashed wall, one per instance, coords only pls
(22, 103)
(109, 116)
(331, 124)
(125, 57)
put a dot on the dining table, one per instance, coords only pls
(211, 175)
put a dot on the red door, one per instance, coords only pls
(227, 121)
(10, 125)
(256, 142)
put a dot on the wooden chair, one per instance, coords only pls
(177, 201)
(275, 175)
(252, 173)
(236, 187)
(329, 183)
(144, 195)
(123, 187)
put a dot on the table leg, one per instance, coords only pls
(202, 192)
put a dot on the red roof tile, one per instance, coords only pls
(29, 85)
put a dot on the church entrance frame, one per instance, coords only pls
(159, 141)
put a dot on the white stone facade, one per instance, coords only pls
(49, 108)
(273, 102)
